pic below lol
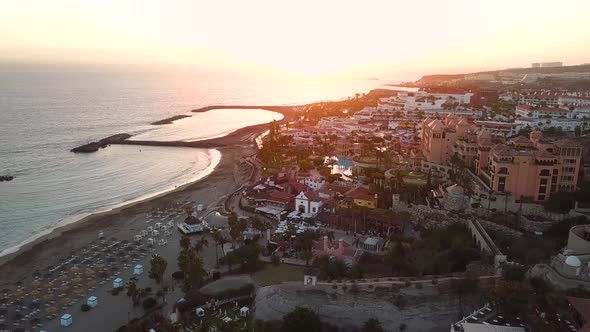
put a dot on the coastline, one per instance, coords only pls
(65, 224)
(121, 221)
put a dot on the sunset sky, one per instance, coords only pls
(304, 36)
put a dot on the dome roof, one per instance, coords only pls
(573, 261)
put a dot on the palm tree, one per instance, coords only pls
(200, 245)
(216, 234)
(158, 268)
(330, 235)
(185, 242)
(307, 255)
(188, 208)
(290, 232)
(133, 291)
(357, 242)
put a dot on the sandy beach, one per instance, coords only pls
(122, 222)
(125, 221)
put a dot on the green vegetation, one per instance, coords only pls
(246, 256)
(302, 319)
(273, 275)
(190, 264)
(372, 325)
(158, 265)
(529, 249)
(438, 251)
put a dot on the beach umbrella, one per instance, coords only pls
(90, 272)
(62, 277)
(75, 269)
(19, 293)
(91, 283)
(77, 280)
(36, 283)
(51, 310)
(34, 293)
(48, 297)
(64, 288)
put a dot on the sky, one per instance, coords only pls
(310, 37)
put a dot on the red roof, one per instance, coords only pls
(280, 196)
(359, 193)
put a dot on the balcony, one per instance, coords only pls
(502, 161)
(545, 162)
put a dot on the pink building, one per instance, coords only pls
(439, 136)
(340, 250)
(531, 168)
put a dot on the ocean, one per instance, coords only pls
(45, 110)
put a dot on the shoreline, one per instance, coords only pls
(64, 240)
(69, 221)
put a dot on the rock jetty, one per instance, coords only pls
(6, 178)
(103, 143)
(170, 120)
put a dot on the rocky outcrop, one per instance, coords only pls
(6, 178)
(103, 143)
(170, 119)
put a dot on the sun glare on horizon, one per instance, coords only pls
(302, 37)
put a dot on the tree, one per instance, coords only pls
(372, 325)
(357, 242)
(185, 242)
(302, 319)
(133, 291)
(396, 257)
(188, 208)
(158, 268)
(307, 255)
(357, 271)
(217, 238)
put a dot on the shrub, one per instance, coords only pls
(148, 289)
(159, 293)
(434, 282)
(334, 287)
(85, 307)
(370, 286)
(344, 287)
(216, 275)
(408, 284)
(418, 286)
(354, 288)
(149, 303)
(116, 291)
(178, 275)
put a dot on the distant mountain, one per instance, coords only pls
(552, 70)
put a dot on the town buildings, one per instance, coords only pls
(530, 168)
(340, 250)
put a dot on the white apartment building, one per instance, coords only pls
(535, 112)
